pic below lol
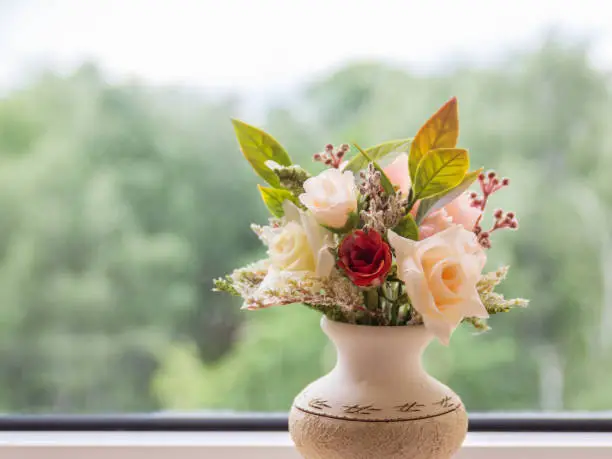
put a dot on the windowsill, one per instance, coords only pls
(277, 445)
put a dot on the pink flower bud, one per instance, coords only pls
(328, 161)
(340, 154)
(495, 182)
(481, 177)
(498, 214)
(317, 156)
(476, 203)
(344, 147)
(510, 215)
(329, 148)
(491, 174)
(506, 182)
(514, 224)
(473, 195)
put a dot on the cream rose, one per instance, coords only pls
(331, 196)
(289, 249)
(301, 244)
(440, 274)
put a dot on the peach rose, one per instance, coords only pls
(331, 196)
(398, 173)
(461, 212)
(440, 274)
(434, 223)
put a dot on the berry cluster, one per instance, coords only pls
(332, 156)
(489, 184)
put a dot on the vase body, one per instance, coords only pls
(378, 401)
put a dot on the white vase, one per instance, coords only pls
(378, 401)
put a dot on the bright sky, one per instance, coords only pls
(252, 45)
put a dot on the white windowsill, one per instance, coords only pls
(275, 445)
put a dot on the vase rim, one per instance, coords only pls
(372, 329)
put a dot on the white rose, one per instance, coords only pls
(331, 196)
(301, 244)
(289, 249)
(440, 274)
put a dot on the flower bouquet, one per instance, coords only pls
(389, 243)
(399, 245)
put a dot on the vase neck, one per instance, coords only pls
(371, 353)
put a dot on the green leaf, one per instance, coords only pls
(378, 152)
(408, 228)
(439, 171)
(273, 198)
(384, 180)
(430, 205)
(440, 131)
(259, 147)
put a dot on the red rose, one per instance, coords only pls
(364, 257)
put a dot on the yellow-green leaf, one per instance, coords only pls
(377, 152)
(439, 171)
(273, 198)
(429, 205)
(384, 180)
(258, 147)
(407, 228)
(440, 131)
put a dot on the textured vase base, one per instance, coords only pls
(322, 437)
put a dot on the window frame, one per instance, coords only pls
(277, 422)
(276, 445)
(265, 436)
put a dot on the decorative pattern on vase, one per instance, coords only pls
(409, 411)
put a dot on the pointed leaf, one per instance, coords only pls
(429, 205)
(258, 147)
(377, 152)
(273, 198)
(440, 131)
(439, 171)
(407, 228)
(384, 180)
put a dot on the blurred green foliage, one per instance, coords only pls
(120, 203)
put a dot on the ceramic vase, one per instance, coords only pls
(378, 401)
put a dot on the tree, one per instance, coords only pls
(117, 212)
